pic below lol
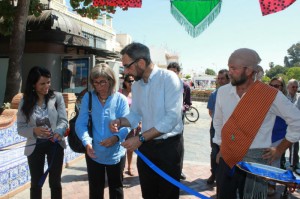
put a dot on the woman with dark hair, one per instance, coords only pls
(128, 81)
(42, 119)
(104, 153)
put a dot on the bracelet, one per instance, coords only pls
(117, 138)
(120, 121)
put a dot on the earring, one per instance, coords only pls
(33, 90)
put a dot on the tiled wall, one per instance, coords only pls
(9, 136)
(14, 171)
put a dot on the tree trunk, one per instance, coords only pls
(16, 50)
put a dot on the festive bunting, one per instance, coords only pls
(272, 6)
(195, 15)
(120, 3)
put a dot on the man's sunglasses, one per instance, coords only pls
(130, 81)
(128, 65)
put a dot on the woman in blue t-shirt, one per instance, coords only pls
(279, 130)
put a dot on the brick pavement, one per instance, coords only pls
(196, 168)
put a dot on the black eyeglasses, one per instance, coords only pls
(130, 81)
(276, 85)
(128, 65)
(101, 83)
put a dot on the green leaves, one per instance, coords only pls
(7, 12)
(85, 8)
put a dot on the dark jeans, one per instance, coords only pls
(36, 162)
(214, 151)
(96, 176)
(165, 154)
(182, 157)
(228, 185)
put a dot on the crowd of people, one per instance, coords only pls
(251, 121)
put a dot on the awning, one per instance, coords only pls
(95, 51)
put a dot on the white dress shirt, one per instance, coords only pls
(157, 103)
(227, 100)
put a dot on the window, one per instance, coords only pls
(75, 76)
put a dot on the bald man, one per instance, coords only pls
(244, 117)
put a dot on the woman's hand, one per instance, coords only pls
(271, 154)
(109, 141)
(139, 128)
(56, 137)
(42, 132)
(115, 125)
(90, 151)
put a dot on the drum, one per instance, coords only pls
(267, 172)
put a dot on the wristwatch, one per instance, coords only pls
(142, 138)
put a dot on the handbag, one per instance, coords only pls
(74, 142)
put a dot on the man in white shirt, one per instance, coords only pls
(222, 79)
(242, 70)
(292, 95)
(156, 102)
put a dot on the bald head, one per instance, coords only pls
(245, 57)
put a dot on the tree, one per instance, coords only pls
(188, 76)
(271, 64)
(275, 70)
(14, 23)
(209, 71)
(286, 62)
(294, 54)
(293, 73)
(265, 79)
(8, 12)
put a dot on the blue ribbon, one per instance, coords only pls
(276, 174)
(8, 149)
(169, 178)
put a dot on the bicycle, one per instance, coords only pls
(191, 114)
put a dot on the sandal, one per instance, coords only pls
(130, 172)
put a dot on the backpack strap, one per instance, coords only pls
(90, 122)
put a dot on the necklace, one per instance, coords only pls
(103, 100)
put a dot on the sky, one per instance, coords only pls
(240, 24)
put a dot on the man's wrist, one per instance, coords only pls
(118, 139)
(120, 121)
(142, 138)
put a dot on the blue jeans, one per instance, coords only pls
(36, 162)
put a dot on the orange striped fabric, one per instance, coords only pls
(241, 128)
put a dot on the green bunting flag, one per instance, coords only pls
(195, 15)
